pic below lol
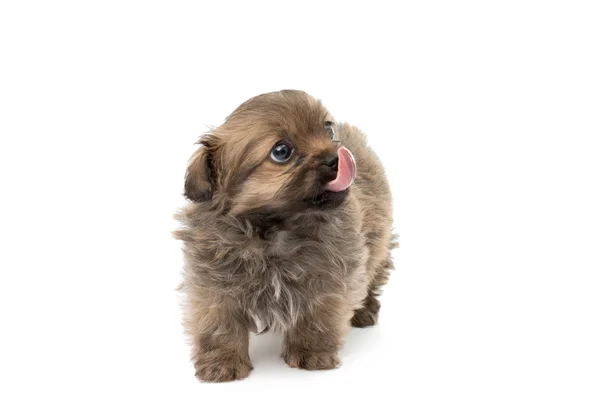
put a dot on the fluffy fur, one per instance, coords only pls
(267, 247)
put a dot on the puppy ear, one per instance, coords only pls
(200, 175)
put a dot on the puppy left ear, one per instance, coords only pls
(200, 176)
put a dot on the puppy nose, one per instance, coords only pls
(331, 162)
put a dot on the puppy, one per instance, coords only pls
(288, 227)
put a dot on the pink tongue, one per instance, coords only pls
(346, 172)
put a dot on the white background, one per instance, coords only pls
(485, 114)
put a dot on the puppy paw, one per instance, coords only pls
(364, 318)
(225, 370)
(311, 360)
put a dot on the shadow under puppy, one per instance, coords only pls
(288, 227)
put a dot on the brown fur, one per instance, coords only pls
(265, 248)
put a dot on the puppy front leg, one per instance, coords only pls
(314, 341)
(219, 346)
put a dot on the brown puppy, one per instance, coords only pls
(276, 237)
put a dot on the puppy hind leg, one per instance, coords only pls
(368, 315)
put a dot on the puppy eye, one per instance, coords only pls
(329, 126)
(281, 152)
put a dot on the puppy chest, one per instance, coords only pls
(276, 302)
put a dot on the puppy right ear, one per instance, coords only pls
(199, 177)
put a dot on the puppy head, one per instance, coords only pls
(276, 153)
